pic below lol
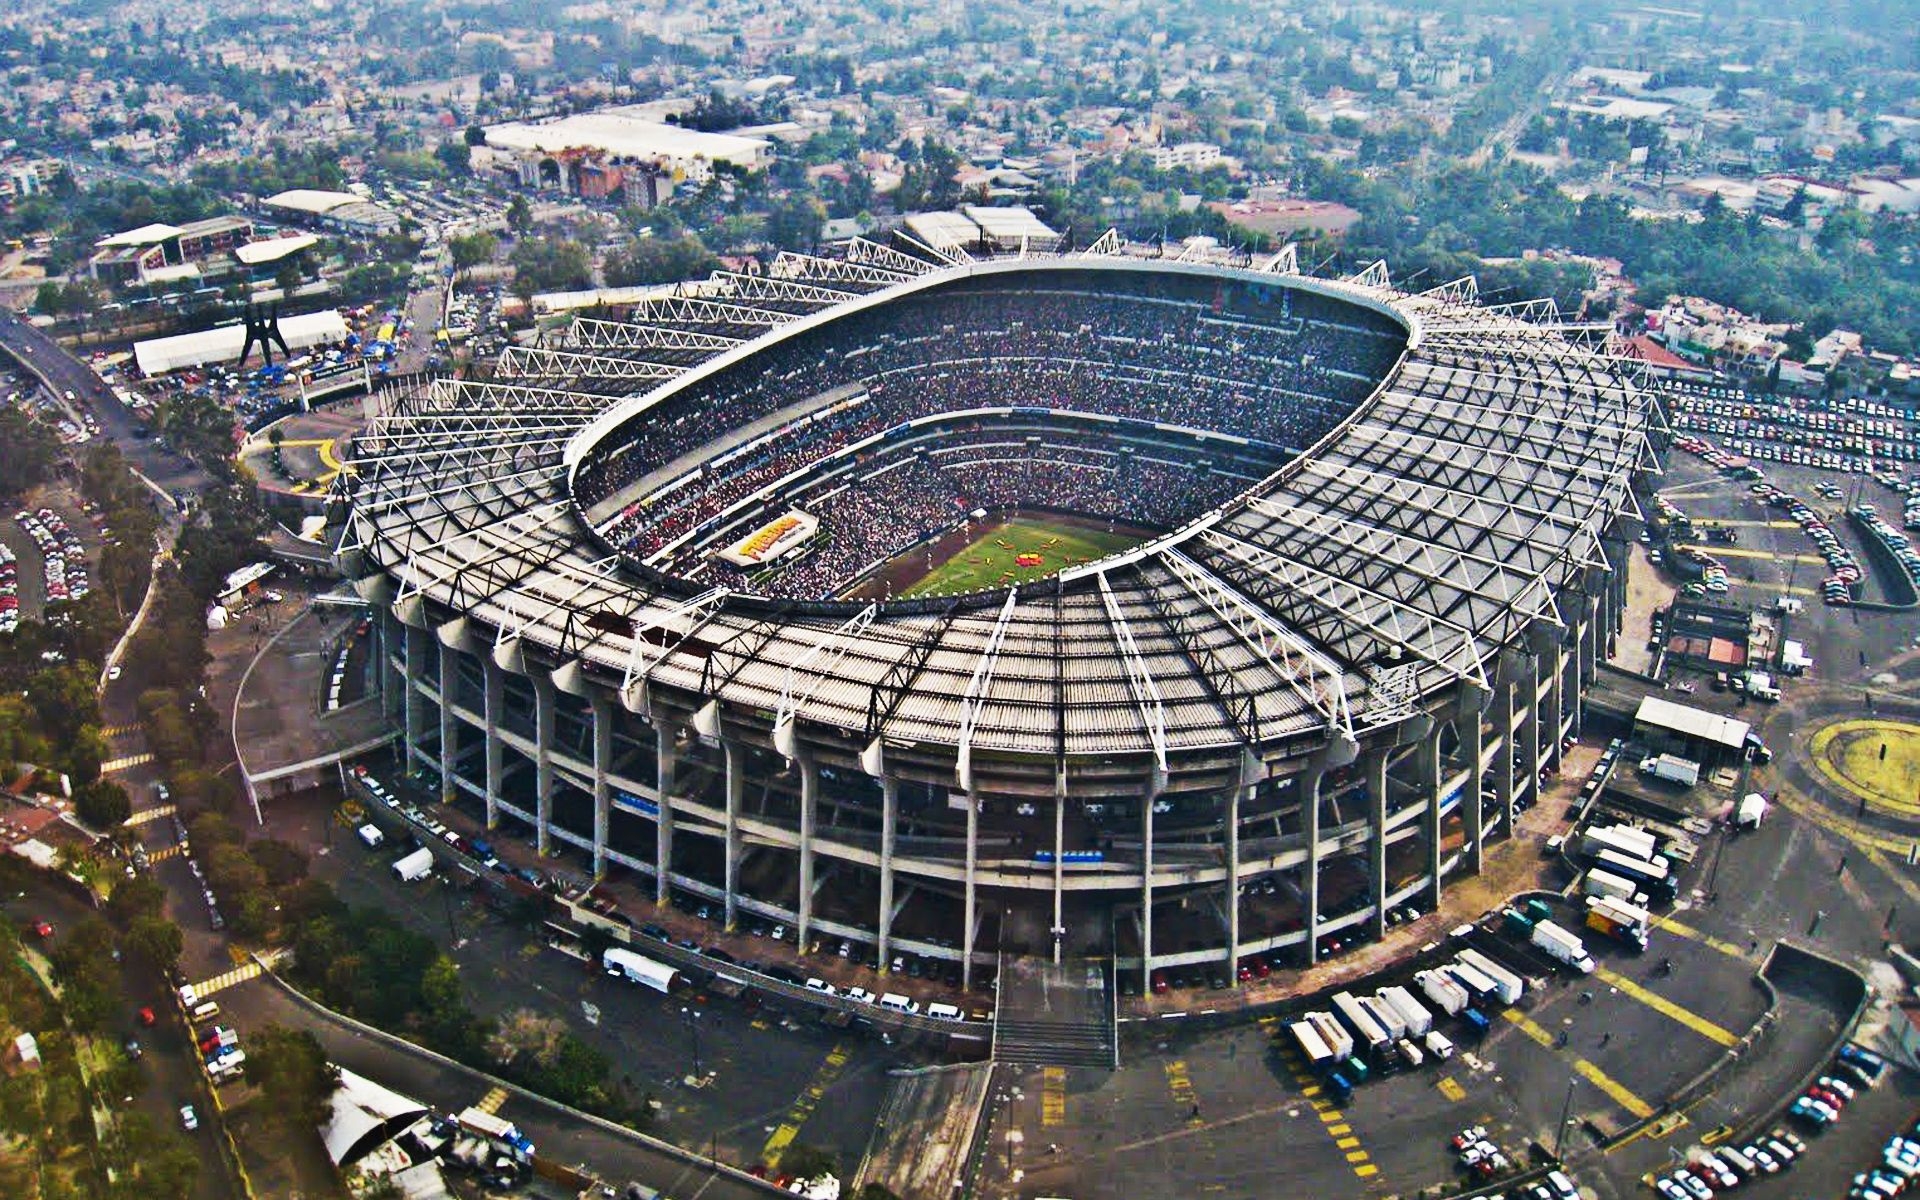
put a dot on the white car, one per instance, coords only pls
(862, 996)
(189, 1120)
(113, 672)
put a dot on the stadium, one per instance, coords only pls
(1169, 610)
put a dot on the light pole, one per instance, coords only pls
(1566, 1118)
(692, 1022)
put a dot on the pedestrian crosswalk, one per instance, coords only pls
(127, 763)
(163, 854)
(120, 731)
(149, 814)
(251, 969)
(491, 1102)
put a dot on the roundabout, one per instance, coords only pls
(1874, 761)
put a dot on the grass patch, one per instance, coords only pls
(1018, 551)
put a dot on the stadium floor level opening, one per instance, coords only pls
(998, 551)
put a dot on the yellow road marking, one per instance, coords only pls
(1667, 1008)
(803, 1106)
(116, 731)
(1053, 1096)
(1615, 1090)
(1451, 1089)
(1528, 1026)
(1366, 1169)
(1346, 1143)
(1331, 1117)
(1337, 1130)
(150, 814)
(1694, 935)
(127, 763)
(1181, 1085)
(1811, 560)
(491, 1102)
(164, 853)
(228, 979)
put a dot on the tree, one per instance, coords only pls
(290, 1066)
(28, 451)
(102, 804)
(475, 136)
(155, 941)
(455, 156)
(519, 215)
(472, 249)
(795, 222)
(552, 264)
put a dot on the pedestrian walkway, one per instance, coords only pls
(126, 764)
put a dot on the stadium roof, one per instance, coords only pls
(1442, 525)
(253, 254)
(157, 356)
(944, 231)
(1011, 225)
(311, 200)
(146, 235)
(625, 135)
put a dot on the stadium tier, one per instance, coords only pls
(1177, 610)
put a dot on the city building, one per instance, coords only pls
(593, 152)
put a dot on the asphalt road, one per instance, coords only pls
(61, 371)
(170, 1060)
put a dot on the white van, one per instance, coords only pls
(206, 1012)
(899, 1003)
(1439, 1045)
(944, 1012)
(371, 835)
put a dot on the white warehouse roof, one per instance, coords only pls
(626, 135)
(223, 343)
(311, 200)
(273, 249)
(1693, 722)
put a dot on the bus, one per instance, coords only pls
(1654, 876)
(638, 968)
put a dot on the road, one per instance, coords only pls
(170, 1060)
(60, 371)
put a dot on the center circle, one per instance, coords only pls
(950, 438)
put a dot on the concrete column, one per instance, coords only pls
(1434, 780)
(969, 930)
(496, 699)
(1375, 771)
(809, 803)
(602, 787)
(1146, 881)
(1466, 729)
(1309, 791)
(1533, 742)
(667, 754)
(449, 724)
(889, 831)
(1248, 777)
(736, 759)
(543, 762)
(391, 680)
(1057, 931)
(1556, 699)
(414, 703)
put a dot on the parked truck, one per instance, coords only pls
(1617, 887)
(1559, 943)
(638, 968)
(417, 865)
(1447, 994)
(1672, 768)
(1482, 991)
(1370, 1040)
(1511, 986)
(1414, 1013)
(1654, 876)
(1333, 1033)
(1385, 1016)
(499, 1130)
(1318, 1054)
(1624, 922)
(1624, 838)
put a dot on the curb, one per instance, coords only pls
(648, 1141)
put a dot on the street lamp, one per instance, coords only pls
(1566, 1118)
(692, 1022)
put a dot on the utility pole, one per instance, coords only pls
(1566, 1118)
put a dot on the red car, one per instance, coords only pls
(146, 1016)
(42, 929)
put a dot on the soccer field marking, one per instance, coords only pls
(991, 559)
(1667, 1008)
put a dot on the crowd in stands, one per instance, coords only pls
(1270, 364)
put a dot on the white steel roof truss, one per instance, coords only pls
(974, 699)
(1421, 634)
(1108, 243)
(802, 679)
(536, 361)
(1140, 681)
(1314, 677)
(791, 265)
(502, 535)
(592, 333)
(864, 252)
(643, 656)
(766, 287)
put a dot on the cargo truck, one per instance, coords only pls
(1625, 923)
(638, 968)
(1606, 883)
(1481, 991)
(1671, 768)
(417, 865)
(1511, 986)
(1447, 994)
(1414, 1013)
(1333, 1033)
(1636, 843)
(1313, 1046)
(1371, 1042)
(1654, 876)
(484, 1123)
(1384, 1016)
(1557, 943)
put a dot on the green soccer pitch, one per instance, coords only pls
(992, 559)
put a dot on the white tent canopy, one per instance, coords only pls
(157, 356)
